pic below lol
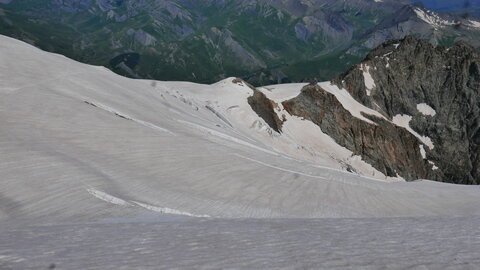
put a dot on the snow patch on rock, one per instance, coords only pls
(423, 152)
(425, 109)
(367, 78)
(433, 165)
(403, 120)
(349, 103)
(282, 92)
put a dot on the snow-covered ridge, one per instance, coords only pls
(78, 142)
(432, 18)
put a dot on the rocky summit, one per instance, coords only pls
(429, 103)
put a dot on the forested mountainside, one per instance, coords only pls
(262, 41)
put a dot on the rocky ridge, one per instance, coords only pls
(438, 87)
(428, 104)
(389, 148)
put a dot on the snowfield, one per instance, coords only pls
(99, 171)
(152, 244)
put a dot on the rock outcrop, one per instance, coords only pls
(389, 148)
(439, 88)
(265, 108)
(424, 105)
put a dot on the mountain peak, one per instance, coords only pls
(401, 76)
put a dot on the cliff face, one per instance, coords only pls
(428, 104)
(265, 108)
(389, 148)
(438, 87)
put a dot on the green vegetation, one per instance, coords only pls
(202, 41)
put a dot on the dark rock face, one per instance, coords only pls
(389, 148)
(265, 108)
(437, 88)
(409, 72)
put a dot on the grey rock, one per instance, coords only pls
(446, 79)
(265, 108)
(389, 148)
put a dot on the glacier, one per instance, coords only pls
(99, 171)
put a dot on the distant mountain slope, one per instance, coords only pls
(445, 5)
(205, 41)
(466, 8)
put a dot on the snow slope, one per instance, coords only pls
(396, 243)
(98, 171)
(79, 143)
